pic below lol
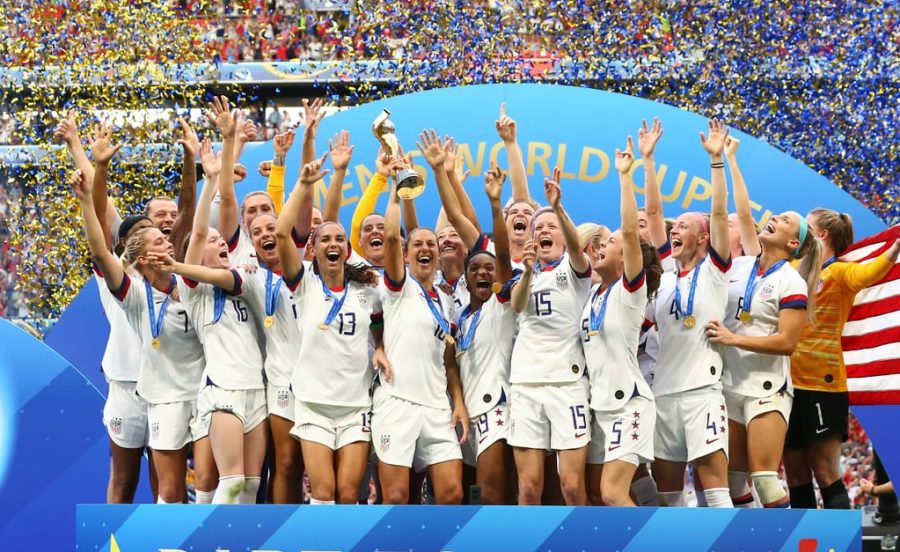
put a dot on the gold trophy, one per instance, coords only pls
(410, 184)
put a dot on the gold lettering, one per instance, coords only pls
(561, 162)
(678, 185)
(347, 200)
(534, 158)
(764, 218)
(692, 194)
(364, 176)
(586, 154)
(463, 152)
(494, 154)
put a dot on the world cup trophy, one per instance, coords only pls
(410, 184)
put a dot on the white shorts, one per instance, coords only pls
(125, 415)
(332, 426)
(280, 402)
(742, 408)
(173, 425)
(624, 434)
(691, 424)
(550, 416)
(249, 405)
(412, 435)
(485, 430)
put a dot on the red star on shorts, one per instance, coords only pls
(499, 422)
(722, 429)
(722, 407)
(636, 414)
(635, 424)
(781, 393)
(721, 418)
(634, 436)
(499, 412)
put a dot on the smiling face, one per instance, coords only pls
(422, 254)
(330, 247)
(255, 204)
(163, 213)
(518, 219)
(155, 241)
(610, 260)
(371, 236)
(780, 232)
(450, 246)
(549, 237)
(689, 239)
(215, 251)
(262, 233)
(481, 273)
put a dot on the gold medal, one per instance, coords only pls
(269, 321)
(459, 353)
(323, 326)
(155, 343)
(593, 333)
(448, 339)
(496, 287)
(690, 321)
(745, 317)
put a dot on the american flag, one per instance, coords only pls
(871, 338)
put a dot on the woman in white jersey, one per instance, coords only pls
(624, 414)
(691, 419)
(549, 402)
(171, 358)
(767, 308)
(413, 424)
(235, 394)
(331, 376)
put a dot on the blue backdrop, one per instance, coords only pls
(53, 448)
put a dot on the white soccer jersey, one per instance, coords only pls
(484, 366)
(240, 249)
(172, 371)
(414, 342)
(754, 374)
(333, 366)
(548, 349)
(282, 337)
(459, 293)
(649, 345)
(686, 358)
(611, 354)
(231, 344)
(122, 356)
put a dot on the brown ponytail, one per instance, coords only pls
(652, 267)
(838, 225)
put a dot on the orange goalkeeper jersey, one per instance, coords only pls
(818, 362)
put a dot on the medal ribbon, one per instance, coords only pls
(690, 305)
(469, 333)
(336, 304)
(597, 318)
(753, 282)
(218, 303)
(438, 316)
(272, 293)
(156, 321)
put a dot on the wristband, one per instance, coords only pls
(719, 165)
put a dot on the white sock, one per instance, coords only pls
(228, 490)
(315, 502)
(248, 492)
(204, 497)
(740, 489)
(645, 491)
(718, 497)
(159, 500)
(672, 498)
(771, 492)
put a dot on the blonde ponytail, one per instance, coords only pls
(810, 255)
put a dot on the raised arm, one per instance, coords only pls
(299, 206)
(656, 224)
(220, 277)
(312, 115)
(718, 220)
(275, 182)
(859, 276)
(67, 132)
(631, 238)
(393, 244)
(200, 229)
(506, 129)
(229, 217)
(577, 258)
(340, 150)
(435, 152)
(493, 187)
(746, 224)
(450, 163)
(112, 271)
(245, 132)
(521, 290)
(103, 152)
(187, 196)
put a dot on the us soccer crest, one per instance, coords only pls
(766, 291)
(363, 301)
(385, 443)
(154, 429)
(283, 397)
(115, 425)
(562, 280)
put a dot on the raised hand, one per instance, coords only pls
(101, 148)
(450, 149)
(552, 189)
(648, 136)
(160, 261)
(264, 168)
(493, 183)
(506, 126)
(624, 159)
(312, 172)
(212, 166)
(716, 141)
(80, 185)
(432, 148)
(312, 114)
(67, 129)
(340, 149)
(283, 143)
(246, 129)
(220, 114)
(189, 141)
(529, 255)
(731, 147)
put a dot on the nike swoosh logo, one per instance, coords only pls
(580, 435)
(482, 439)
(764, 402)
(732, 281)
(610, 449)
(709, 442)
(823, 430)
